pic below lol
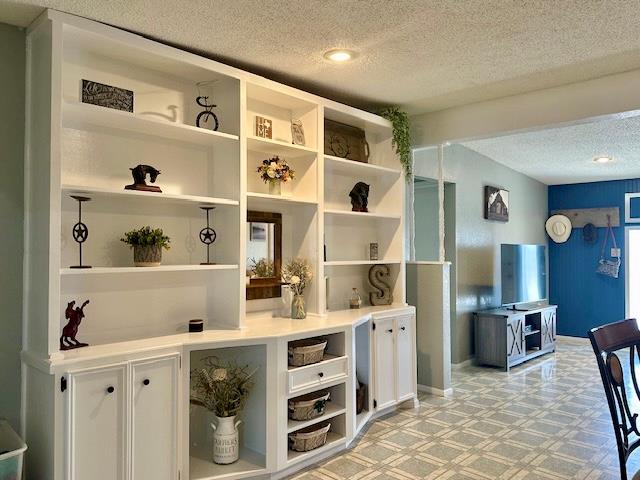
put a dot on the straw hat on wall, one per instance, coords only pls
(558, 228)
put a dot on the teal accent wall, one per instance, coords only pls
(586, 299)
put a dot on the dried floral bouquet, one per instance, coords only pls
(222, 387)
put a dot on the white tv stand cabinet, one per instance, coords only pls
(506, 338)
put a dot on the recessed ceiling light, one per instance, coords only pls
(340, 55)
(603, 159)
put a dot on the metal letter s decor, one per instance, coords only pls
(379, 278)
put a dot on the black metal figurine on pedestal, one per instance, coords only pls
(208, 236)
(204, 116)
(80, 230)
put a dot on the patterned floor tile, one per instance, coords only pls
(544, 420)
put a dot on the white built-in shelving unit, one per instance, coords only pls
(81, 149)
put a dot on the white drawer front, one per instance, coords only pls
(317, 374)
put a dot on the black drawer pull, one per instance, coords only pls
(146, 381)
(403, 328)
(390, 330)
(321, 374)
(110, 389)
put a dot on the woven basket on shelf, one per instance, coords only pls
(306, 352)
(309, 438)
(308, 406)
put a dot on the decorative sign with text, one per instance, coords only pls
(107, 96)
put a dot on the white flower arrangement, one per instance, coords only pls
(297, 274)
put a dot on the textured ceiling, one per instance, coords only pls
(565, 155)
(424, 55)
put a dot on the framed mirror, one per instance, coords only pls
(632, 207)
(264, 255)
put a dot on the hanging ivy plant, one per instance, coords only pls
(401, 136)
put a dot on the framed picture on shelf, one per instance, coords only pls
(297, 133)
(496, 204)
(264, 127)
(373, 251)
(258, 232)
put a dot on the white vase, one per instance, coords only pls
(275, 188)
(226, 446)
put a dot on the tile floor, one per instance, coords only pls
(546, 420)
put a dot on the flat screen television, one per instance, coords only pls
(524, 274)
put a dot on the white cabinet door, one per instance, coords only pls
(406, 368)
(385, 363)
(155, 419)
(97, 421)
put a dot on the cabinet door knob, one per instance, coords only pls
(321, 374)
(390, 330)
(403, 328)
(110, 389)
(146, 381)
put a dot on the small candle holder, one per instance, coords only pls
(80, 230)
(208, 236)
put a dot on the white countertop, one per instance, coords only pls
(257, 327)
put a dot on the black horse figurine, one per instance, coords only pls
(139, 174)
(359, 197)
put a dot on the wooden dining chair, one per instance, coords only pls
(608, 342)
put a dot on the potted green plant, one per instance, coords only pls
(401, 137)
(222, 387)
(147, 244)
(275, 171)
(297, 274)
(262, 268)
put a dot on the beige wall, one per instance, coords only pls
(428, 290)
(12, 67)
(572, 103)
(477, 266)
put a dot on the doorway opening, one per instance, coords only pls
(633, 272)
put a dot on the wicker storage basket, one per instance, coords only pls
(309, 438)
(308, 406)
(306, 352)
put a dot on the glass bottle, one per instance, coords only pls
(355, 300)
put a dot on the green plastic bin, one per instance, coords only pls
(12, 450)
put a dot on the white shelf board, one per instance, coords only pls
(276, 147)
(349, 213)
(333, 440)
(201, 467)
(330, 411)
(339, 263)
(161, 268)
(370, 123)
(351, 167)
(77, 115)
(264, 200)
(282, 99)
(147, 196)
